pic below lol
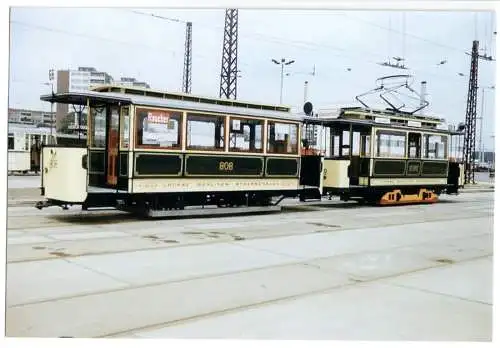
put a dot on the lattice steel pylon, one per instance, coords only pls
(470, 117)
(188, 59)
(229, 67)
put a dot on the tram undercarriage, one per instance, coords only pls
(391, 195)
(180, 204)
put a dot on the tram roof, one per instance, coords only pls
(136, 90)
(332, 121)
(97, 98)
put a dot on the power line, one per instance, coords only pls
(60, 31)
(309, 45)
(407, 34)
(312, 45)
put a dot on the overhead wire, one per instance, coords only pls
(302, 44)
(307, 44)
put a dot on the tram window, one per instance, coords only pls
(98, 127)
(345, 143)
(390, 144)
(435, 146)
(365, 145)
(11, 143)
(355, 143)
(245, 135)
(335, 152)
(205, 132)
(125, 128)
(158, 128)
(414, 145)
(282, 138)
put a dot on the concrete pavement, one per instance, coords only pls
(419, 272)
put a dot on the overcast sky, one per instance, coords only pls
(124, 43)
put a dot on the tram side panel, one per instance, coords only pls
(19, 161)
(64, 177)
(336, 176)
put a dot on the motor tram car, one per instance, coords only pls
(162, 154)
(387, 157)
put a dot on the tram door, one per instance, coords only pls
(112, 146)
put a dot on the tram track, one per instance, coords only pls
(299, 261)
(441, 251)
(110, 216)
(355, 282)
(214, 237)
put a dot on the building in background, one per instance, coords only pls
(35, 118)
(79, 80)
(131, 82)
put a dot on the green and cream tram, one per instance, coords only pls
(387, 157)
(153, 152)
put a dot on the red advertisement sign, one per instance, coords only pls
(158, 117)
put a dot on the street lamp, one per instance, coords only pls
(51, 83)
(283, 62)
(481, 145)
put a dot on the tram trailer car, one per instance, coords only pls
(156, 153)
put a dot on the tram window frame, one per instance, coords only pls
(274, 146)
(170, 114)
(207, 118)
(91, 132)
(417, 146)
(365, 145)
(356, 143)
(246, 121)
(125, 127)
(389, 145)
(435, 150)
(340, 141)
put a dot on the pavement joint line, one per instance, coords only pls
(213, 241)
(97, 272)
(303, 262)
(441, 293)
(219, 313)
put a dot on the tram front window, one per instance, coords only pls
(98, 127)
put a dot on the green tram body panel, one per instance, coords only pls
(151, 165)
(414, 168)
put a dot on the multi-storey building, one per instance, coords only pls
(131, 82)
(31, 117)
(83, 79)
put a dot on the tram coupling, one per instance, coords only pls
(42, 204)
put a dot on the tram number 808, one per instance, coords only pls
(226, 166)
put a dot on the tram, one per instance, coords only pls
(166, 154)
(25, 143)
(387, 157)
(155, 153)
(24, 146)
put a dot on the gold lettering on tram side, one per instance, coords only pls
(226, 166)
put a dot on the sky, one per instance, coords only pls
(343, 48)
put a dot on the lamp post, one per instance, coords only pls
(481, 145)
(51, 83)
(283, 62)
